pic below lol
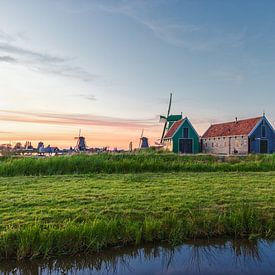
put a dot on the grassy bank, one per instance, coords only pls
(54, 215)
(133, 163)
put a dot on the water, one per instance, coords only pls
(196, 257)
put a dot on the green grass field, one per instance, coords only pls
(67, 214)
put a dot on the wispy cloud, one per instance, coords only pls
(6, 37)
(6, 132)
(173, 31)
(89, 97)
(236, 77)
(35, 55)
(7, 59)
(74, 119)
(40, 61)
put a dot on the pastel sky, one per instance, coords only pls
(108, 67)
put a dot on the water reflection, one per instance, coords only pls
(196, 257)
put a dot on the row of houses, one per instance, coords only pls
(239, 137)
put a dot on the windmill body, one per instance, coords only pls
(143, 141)
(81, 143)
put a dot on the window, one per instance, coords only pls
(185, 132)
(212, 144)
(263, 131)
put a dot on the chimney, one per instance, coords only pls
(236, 119)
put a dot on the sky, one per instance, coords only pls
(107, 67)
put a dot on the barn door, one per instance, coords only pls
(186, 146)
(263, 146)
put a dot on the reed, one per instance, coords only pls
(43, 240)
(133, 163)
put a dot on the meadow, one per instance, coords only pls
(68, 214)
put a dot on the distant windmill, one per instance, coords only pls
(143, 141)
(166, 118)
(81, 143)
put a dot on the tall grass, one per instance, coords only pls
(133, 163)
(70, 238)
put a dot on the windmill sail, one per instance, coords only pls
(163, 117)
(140, 140)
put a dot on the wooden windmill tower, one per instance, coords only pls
(143, 141)
(81, 143)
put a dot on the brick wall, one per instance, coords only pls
(225, 145)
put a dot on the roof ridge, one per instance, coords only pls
(233, 121)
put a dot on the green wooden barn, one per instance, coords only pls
(181, 137)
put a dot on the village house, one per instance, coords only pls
(240, 137)
(181, 137)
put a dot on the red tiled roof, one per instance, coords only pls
(239, 128)
(173, 129)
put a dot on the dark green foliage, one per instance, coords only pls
(134, 163)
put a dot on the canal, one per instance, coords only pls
(194, 257)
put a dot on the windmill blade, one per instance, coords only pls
(169, 106)
(140, 140)
(162, 118)
(168, 113)
(163, 132)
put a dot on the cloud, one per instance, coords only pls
(75, 119)
(176, 32)
(236, 77)
(40, 61)
(172, 33)
(5, 132)
(34, 55)
(6, 37)
(7, 59)
(89, 97)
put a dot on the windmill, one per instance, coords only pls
(81, 143)
(166, 118)
(143, 141)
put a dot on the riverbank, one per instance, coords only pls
(57, 215)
